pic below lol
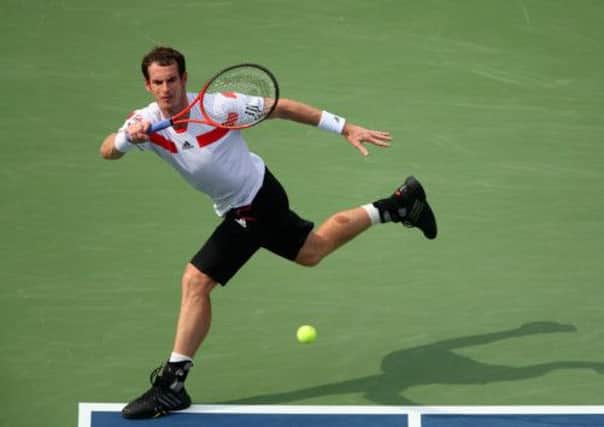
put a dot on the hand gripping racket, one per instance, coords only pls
(237, 97)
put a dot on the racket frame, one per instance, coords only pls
(178, 119)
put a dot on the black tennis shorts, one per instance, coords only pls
(268, 223)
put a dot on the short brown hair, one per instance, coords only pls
(163, 56)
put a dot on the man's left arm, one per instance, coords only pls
(356, 135)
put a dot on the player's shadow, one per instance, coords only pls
(435, 363)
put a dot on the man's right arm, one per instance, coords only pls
(108, 150)
(118, 144)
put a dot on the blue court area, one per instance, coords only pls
(111, 419)
(325, 416)
(507, 420)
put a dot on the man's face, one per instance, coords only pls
(168, 87)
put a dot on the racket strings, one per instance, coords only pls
(240, 96)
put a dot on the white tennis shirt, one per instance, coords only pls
(212, 160)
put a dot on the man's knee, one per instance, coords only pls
(195, 282)
(309, 259)
(312, 252)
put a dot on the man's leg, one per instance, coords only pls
(222, 255)
(333, 233)
(195, 311)
(167, 392)
(407, 205)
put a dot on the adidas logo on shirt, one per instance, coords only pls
(187, 145)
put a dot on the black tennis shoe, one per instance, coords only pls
(408, 205)
(167, 393)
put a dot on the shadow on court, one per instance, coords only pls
(435, 363)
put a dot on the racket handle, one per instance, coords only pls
(156, 127)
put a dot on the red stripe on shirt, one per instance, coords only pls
(212, 136)
(165, 143)
(203, 140)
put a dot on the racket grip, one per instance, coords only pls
(156, 127)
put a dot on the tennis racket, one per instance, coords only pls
(237, 97)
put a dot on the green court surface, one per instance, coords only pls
(497, 106)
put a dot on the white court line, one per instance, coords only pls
(414, 418)
(413, 413)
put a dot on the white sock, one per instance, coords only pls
(177, 357)
(373, 212)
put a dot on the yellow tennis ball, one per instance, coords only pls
(306, 334)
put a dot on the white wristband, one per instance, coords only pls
(121, 142)
(331, 122)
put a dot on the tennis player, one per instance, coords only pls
(253, 204)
